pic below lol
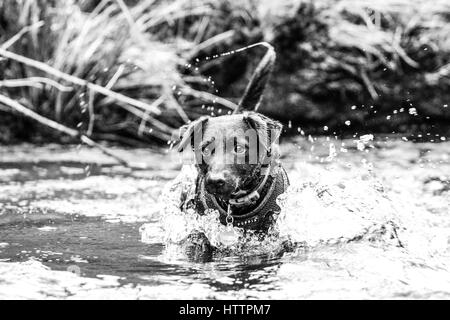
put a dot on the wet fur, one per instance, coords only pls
(241, 177)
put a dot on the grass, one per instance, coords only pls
(380, 56)
(113, 46)
(387, 56)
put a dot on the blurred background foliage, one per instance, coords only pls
(343, 67)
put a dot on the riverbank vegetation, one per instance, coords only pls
(132, 72)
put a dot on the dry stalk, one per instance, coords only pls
(61, 128)
(80, 82)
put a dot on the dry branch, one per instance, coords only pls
(36, 82)
(75, 80)
(91, 113)
(61, 128)
(115, 77)
(142, 126)
(18, 35)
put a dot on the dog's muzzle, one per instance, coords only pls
(220, 183)
(262, 201)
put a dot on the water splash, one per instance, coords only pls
(332, 210)
(326, 211)
(332, 200)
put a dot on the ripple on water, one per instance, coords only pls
(371, 220)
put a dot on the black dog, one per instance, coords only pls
(236, 157)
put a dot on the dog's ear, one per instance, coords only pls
(255, 88)
(191, 132)
(268, 130)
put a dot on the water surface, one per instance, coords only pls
(75, 225)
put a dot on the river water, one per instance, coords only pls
(370, 220)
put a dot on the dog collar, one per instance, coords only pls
(254, 195)
(275, 184)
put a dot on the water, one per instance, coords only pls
(370, 220)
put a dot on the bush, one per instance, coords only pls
(369, 62)
(383, 57)
(104, 47)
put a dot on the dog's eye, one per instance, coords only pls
(207, 151)
(239, 149)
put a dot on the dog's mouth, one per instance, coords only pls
(225, 191)
(228, 190)
(226, 198)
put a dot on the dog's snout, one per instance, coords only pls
(216, 180)
(220, 183)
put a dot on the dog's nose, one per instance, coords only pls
(220, 182)
(216, 180)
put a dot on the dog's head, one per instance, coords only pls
(231, 150)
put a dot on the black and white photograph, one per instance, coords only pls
(224, 150)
